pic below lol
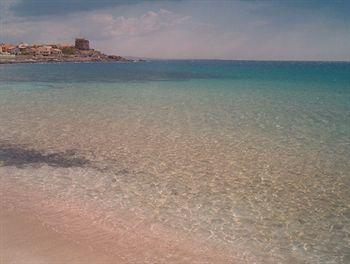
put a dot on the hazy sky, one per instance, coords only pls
(308, 30)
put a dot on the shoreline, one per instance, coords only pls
(58, 61)
(35, 229)
(25, 240)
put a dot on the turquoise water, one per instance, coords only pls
(251, 155)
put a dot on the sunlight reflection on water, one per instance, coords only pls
(258, 165)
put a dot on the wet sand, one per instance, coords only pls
(25, 240)
(38, 230)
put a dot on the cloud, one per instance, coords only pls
(98, 26)
(33, 8)
(150, 22)
(186, 29)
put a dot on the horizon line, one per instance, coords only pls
(262, 60)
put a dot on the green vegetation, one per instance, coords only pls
(68, 50)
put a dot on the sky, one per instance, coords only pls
(185, 29)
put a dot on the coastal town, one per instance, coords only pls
(79, 52)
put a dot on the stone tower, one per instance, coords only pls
(82, 44)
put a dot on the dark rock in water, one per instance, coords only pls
(19, 156)
(301, 221)
(116, 58)
(122, 172)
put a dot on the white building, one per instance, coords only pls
(44, 50)
(56, 52)
(23, 46)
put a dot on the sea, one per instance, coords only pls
(253, 156)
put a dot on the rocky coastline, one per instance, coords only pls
(54, 53)
(20, 59)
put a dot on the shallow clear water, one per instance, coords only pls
(253, 155)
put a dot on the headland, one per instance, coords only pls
(39, 53)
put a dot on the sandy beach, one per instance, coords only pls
(36, 229)
(174, 132)
(26, 240)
